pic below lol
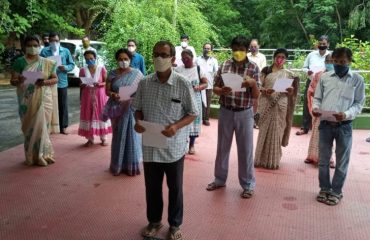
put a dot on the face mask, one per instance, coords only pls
(132, 49)
(184, 44)
(254, 49)
(85, 44)
(187, 62)
(46, 44)
(206, 53)
(323, 47)
(124, 64)
(341, 70)
(280, 61)
(239, 55)
(329, 67)
(55, 46)
(32, 50)
(162, 64)
(90, 62)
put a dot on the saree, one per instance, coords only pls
(275, 120)
(126, 142)
(37, 112)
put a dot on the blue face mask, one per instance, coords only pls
(341, 70)
(90, 62)
(329, 67)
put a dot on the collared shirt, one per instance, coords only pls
(166, 103)
(346, 94)
(179, 50)
(259, 59)
(138, 62)
(209, 67)
(314, 60)
(67, 62)
(237, 99)
(80, 58)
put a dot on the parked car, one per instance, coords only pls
(73, 45)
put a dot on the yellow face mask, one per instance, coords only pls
(239, 55)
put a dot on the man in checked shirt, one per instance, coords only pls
(236, 115)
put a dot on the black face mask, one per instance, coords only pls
(46, 44)
(323, 47)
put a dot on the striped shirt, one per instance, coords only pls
(237, 99)
(346, 94)
(166, 103)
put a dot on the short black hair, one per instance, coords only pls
(339, 52)
(168, 43)
(240, 41)
(187, 51)
(184, 36)
(54, 34)
(132, 40)
(90, 52)
(44, 35)
(324, 37)
(123, 50)
(209, 44)
(31, 38)
(281, 50)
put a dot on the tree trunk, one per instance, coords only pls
(300, 23)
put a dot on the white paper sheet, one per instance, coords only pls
(153, 137)
(126, 92)
(88, 81)
(57, 59)
(31, 77)
(316, 69)
(234, 81)
(282, 84)
(327, 115)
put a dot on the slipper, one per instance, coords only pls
(213, 186)
(332, 165)
(322, 197)
(174, 234)
(151, 230)
(247, 193)
(308, 161)
(301, 132)
(333, 200)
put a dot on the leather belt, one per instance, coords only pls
(335, 124)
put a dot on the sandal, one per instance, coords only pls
(308, 161)
(322, 197)
(151, 230)
(247, 193)
(301, 132)
(174, 234)
(213, 186)
(104, 143)
(88, 143)
(332, 165)
(333, 200)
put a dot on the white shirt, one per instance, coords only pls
(179, 49)
(314, 60)
(209, 67)
(259, 59)
(346, 94)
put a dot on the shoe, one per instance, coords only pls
(368, 139)
(191, 150)
(151, 230)
(301, 132)
(174, 233)
(206, 123)
(64, 131)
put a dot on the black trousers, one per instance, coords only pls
(63, 107)
(207, 110)
(306, 119)
(153, 173)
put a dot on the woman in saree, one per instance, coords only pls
(93, 100)
(313, 148)
(126, 143)
(195, 75)
(275, 112)
(37, 101)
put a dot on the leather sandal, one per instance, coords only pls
(308, 161)
(333, 200)
(247, 193)
(213, 186)
(151, 230)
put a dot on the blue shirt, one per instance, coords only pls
(138, 62)
(67, 62)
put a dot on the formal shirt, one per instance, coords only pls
(315, 60)
(166, 103)
(67, 62)
(179, 50)
(346, 94)
(237, 99)
(259, 59)
(138, 62)
(210, 67)
(80, 58)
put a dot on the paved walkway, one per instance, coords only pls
(77, 198)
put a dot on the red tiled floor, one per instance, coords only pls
(77, 198)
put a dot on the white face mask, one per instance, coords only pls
(124, 64)
(162, 64)
(32, 50)
(55, 46)
(184, 44)
(131, 49)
